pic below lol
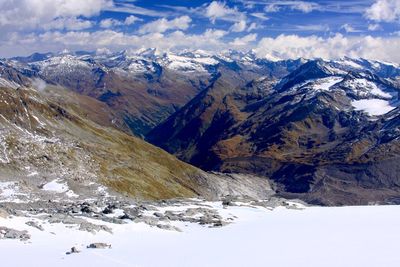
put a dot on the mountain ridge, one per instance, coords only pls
(301, 124)
(300, 134)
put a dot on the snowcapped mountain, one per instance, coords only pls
(144, 60)
(144, 86)
(166, 81)
(190, 61)
(367, 91)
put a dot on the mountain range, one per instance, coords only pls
(323, 131)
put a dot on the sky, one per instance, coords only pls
(273, 29)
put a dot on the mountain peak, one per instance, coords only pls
(313, 69)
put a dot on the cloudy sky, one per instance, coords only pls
(276, 29)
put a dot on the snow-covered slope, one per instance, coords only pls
(383, 69)
(365, 91)
(312, 237)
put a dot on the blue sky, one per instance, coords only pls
(271, 28)
(271, 17)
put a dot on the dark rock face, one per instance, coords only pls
(303, 133)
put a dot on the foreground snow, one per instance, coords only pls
(314, 236)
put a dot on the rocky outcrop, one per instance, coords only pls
(8, 233)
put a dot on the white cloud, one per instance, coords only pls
(131, 20)
(34, 13)
(18, 44)
(260, 16)
(348, 28)
(282, 47)
(70, 23)
(384, 10)
(314, 27)
(220, 11)
(163, 25)
(253, 26)
(294, 46)
(130, 8)
(239, 26)
(110, 23)
(374, 27)
(245, 40)
(103, 51)
(302, 6)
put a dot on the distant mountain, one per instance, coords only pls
(327, 132)
(145, 87)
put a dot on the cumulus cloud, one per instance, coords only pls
(163, 25)
(302, 6)
(34, 13)
(384, 10)
(131, 20)
(239, 26)
(348, 28)
(69, 23)
(18, 44)
(220, 11)
(110, 23)
(244, 41)
(294, 46)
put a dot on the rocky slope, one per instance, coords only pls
(327, 132)
(59, 144)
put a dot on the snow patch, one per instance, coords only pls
(71, 194)
(34, 173)
(326, 83)
(364, 88)
(56, 186)
(10, 191)
(374, 107)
